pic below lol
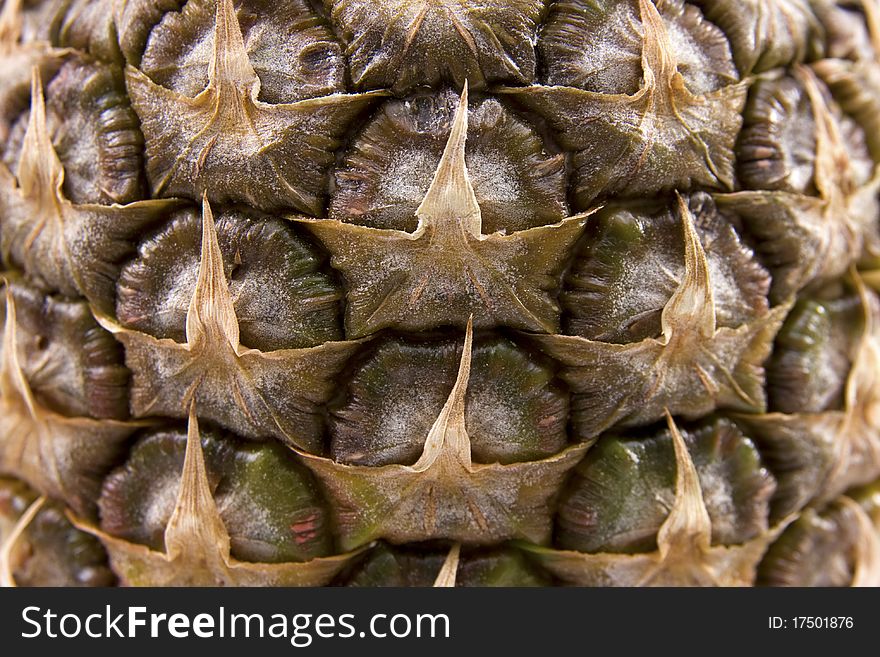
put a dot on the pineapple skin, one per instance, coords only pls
(440, 292)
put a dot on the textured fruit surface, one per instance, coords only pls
(440, 292)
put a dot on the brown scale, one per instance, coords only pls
(268, 502)
(388, 168)
(806, 239)
(234, 384)
(73, 365)
(623, 489)
(213, 132)
(293, 52)
(63, 457)
(686, 552)
(42, 548)
(402, 44)
(515, 409)
(838, 545)
(222, 514)
(448, 271)
(94, 132)
(694, 365)
(281, 294)
(418, 566)
(666, 107)
(628, 268)
(445, 493)
(753, 28)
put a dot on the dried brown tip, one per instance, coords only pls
(866, 560)
(13, 384)
(872, 17)
(230, 68)
(211, 315)
(448, 436)
(195, 527)
(688, 527)
(691, 309)
(833, 165)
(448, 572)
(7, 578)
(11, 20)
(450, 200)
(40, 172)
(862, 394)
(658, 62)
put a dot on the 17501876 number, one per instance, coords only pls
(811, 623)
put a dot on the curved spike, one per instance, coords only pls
(230, 67)
(11, 21)
(7, 579)
(862, 392)
(211, 313)
(833, 175)
(450, 200)
(863, 385)
(448, 434)
(40, 172)
(688, 525)
(195, 526)
(447, 575)
(692, 307)
(872, 18)
(867, 548)
(658, 62)
(13, 383)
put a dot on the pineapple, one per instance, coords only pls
(440, 292)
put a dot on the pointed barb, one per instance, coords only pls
(11, 21)
(450, 201)
(7, 578)
(688, 525)
(658, 62)
(449, 571)
(692, 307)
(13, 384)
(867, 549)
(195, 526)
(833, 165)
(211, 313)
(872, 17)
(40, 172)
(230, 68)
(448, 435)
(863, 384)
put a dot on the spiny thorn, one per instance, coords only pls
(448, 434)
(7, 578)
(195, 523)
(40, 172)
(862, 393)
(230, 64)
(833, 164)
(692, 306)
(12, 380)
(658, 62)
(11, 20)
(688, 525)
(450, 199)
(449, 571)
(867, 549)
(872, 18)
(211, 313)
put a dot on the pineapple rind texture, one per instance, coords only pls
(446, 292)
